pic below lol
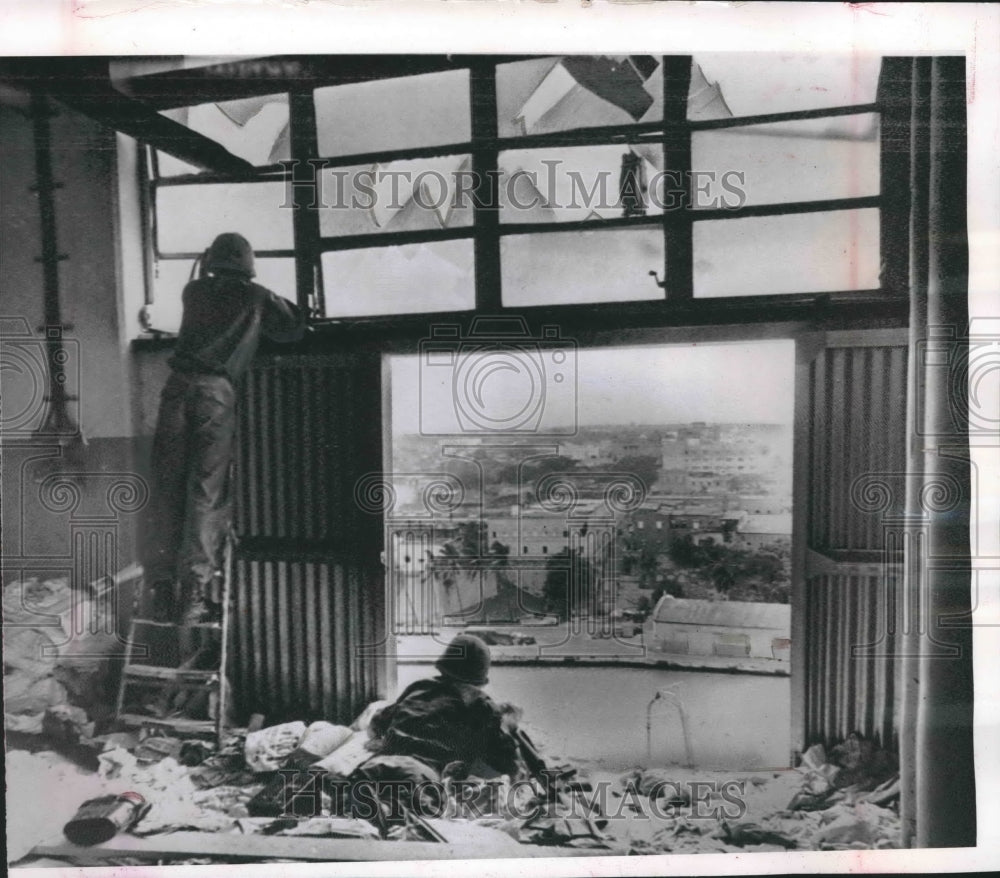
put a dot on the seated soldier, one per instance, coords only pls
(449, 721)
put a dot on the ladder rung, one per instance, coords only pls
(172, 675)
(179, 723)
(215, 625)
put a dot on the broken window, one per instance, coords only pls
(255, 129)
(407, 112)
(401, 196)
(545, 95)
(189, 217)
(807, 160)
(597, 200)
(752, 84)
(577, 184)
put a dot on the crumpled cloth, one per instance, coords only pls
(267, 749)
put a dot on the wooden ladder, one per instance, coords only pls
(172, 681)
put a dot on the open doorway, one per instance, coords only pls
(614, 522)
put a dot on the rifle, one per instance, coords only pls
(560, 790)
(556, 782)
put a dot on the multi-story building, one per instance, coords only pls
(707, 459)
(658, 526)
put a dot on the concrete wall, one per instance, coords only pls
(83, 162)
(50, 491)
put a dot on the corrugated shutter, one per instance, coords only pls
(310, 606)
(848, 690)
(855, 476)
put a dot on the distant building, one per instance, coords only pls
(658, 526)
(650, 526)
(765, 530)
(641, 445)
(528, 533)
(760, 504)
(709, 459)
(588, 453)
(739, 629)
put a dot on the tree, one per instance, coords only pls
(563, 570)
(672, 586)
(500, 550)
(683, 552)
(649, 566)
(471, 537)
(556, 587)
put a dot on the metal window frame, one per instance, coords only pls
(678, 306)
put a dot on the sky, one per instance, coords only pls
(724, 383)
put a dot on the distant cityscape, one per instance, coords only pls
(605, 521)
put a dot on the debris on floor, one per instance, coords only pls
(274, 781)
(48, 661)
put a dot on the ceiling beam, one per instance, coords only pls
(84, 85)
(250, 77)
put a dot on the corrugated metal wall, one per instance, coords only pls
(856, 479)
(858, 418)
(310, 605)
(850, 690)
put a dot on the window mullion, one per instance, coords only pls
(485, 170)
(678, 236)
(305, 216)
(894, 146)
(147, 218)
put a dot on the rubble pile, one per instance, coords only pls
(243, 788)
(58, 643)
(848, 803)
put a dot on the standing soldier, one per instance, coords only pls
(225, 315)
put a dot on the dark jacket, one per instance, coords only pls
(442, 720)
(224, 319)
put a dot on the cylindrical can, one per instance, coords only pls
(99, 820)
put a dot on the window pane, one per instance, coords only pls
(404, 113)
(809, 160)
(579, 267)
(397, 196)
(411, 279)
(725, 84)
(189, 217)
(543, 95)
(593, 182)
(255, 129)
(170, 276)
(803, 253)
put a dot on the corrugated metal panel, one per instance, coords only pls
(310, 608)
(301, 632)
(848, 691)
(308, 429)
(857, 424)
(859, 395)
